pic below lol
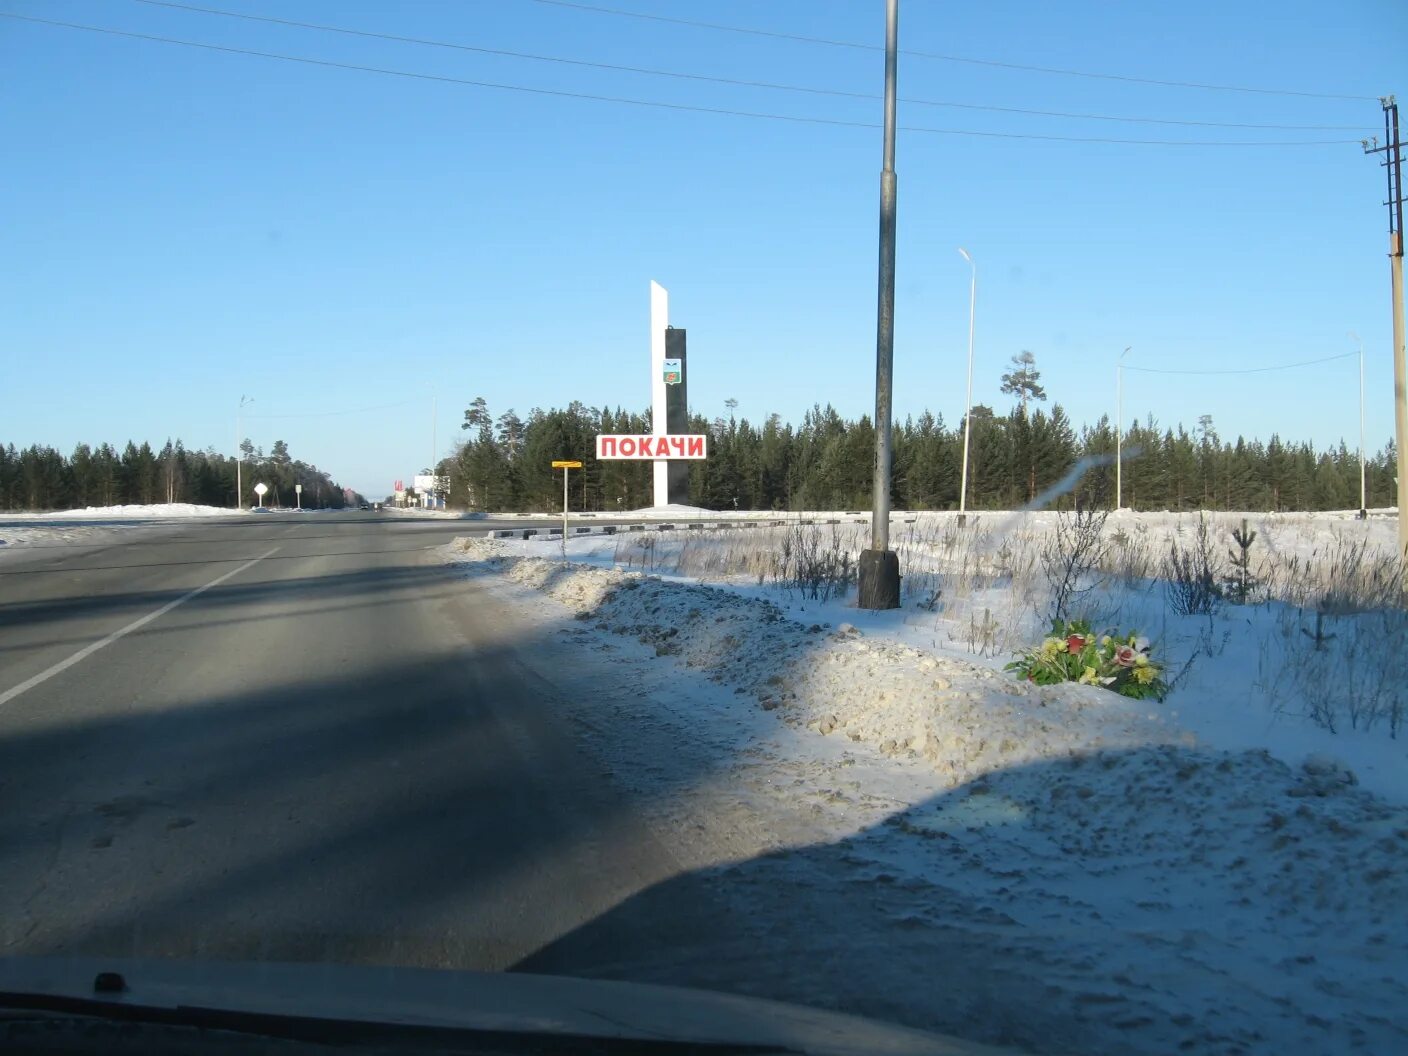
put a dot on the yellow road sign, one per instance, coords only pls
(567, 465)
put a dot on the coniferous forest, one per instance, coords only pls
(824, 463)
(42, 478)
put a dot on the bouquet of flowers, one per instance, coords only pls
(1074, 653)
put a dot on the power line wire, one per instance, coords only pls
(697, 24)
(732, 81)
(660, 104)
(1246, 370)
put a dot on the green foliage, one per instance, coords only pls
(1243, 581)
(1072, 652)
(41, 478)
(825, 463)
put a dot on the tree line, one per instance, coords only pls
(43, 478)
(1015, 459)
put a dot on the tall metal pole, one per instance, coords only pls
(239, 452)
(434, 449)
(1119, 430)
(1363, 503)
(879, 570)
(968, 404)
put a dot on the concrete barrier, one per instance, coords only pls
(528, 533)
(582, 531)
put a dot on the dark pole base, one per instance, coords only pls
(879, 580)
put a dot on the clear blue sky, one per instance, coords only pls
(181, 226)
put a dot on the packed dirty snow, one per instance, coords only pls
(1058, 868)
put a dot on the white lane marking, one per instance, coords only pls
(142, 621)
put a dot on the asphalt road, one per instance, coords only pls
(291, 738)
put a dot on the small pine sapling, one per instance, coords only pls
(1243, 579)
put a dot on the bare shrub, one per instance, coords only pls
(1353, 681)
(1193, 574)
(1353, 578)
(982, 635)
(1130, 558)
(816, 568)
(1070, 558)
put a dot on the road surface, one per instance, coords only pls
(292, 738)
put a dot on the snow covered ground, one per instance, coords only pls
(94, 522)
(913, 834)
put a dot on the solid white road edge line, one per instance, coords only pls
(142, 621)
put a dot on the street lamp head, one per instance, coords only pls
(965, 254)
(1126, 351)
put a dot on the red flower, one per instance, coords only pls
(1075, 643)
(1124, 655)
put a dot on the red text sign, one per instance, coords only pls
(649, 448)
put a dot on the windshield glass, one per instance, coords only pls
(893, 515)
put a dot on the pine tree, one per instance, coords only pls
(1023, 380)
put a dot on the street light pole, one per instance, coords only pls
(968, 405)
(1119, 430)
(239, 452)
(879, 567)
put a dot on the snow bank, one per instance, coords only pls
(149, 510)
(964, 719)
(1057, 855)
(68, 527)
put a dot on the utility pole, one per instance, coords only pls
(879, 569)
(1392, 150)
(434, 447)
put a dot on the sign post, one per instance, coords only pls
(566, 466)
(298, 494)
(260, 489)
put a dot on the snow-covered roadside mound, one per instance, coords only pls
(155, 510)
(1080, 859)
(91, 524)
(966, 720)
